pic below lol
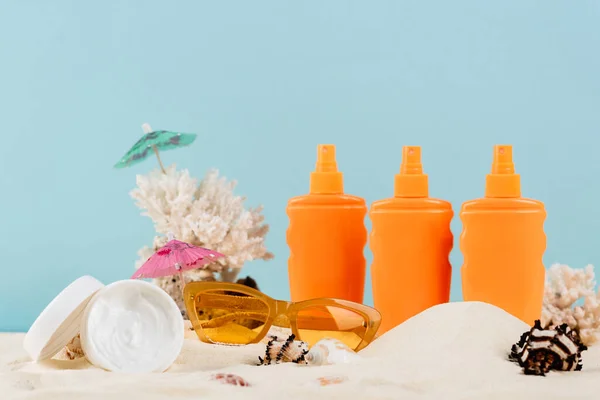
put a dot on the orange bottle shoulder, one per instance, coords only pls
(326, 200)
(411, 203)
(502, 204)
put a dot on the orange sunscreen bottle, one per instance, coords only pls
(503, 243)
(411, 242)
(327, 236)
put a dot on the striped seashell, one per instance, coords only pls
(281, 350)
(541, 350)
(230, 379)
(330, 351)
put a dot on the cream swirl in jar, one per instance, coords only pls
(132, 326)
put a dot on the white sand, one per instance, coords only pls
(453, 351)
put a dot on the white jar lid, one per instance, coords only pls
(60, 321)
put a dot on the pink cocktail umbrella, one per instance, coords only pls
(174, 258)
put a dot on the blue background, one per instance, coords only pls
(264, 82)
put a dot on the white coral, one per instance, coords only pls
(206, 214)
(564, 287)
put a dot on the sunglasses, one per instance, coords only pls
(234, 314)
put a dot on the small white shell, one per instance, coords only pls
(330, 351)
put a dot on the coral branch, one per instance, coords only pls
(206, 214)
(566, 286)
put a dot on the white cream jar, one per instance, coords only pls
(128, 326)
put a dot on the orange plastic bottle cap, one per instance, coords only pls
(411, 181)
(503, 182)
(326, 179)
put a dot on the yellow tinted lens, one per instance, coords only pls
(230, 317)
(318, 322)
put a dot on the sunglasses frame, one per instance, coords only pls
(277, 308)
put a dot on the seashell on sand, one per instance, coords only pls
(541, 350)
(330, 351)
(331, 380)
(284, 349)
(230, 379)
(72, 350)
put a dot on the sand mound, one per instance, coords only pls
(473, 327)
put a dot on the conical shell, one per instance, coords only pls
(330, 351)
